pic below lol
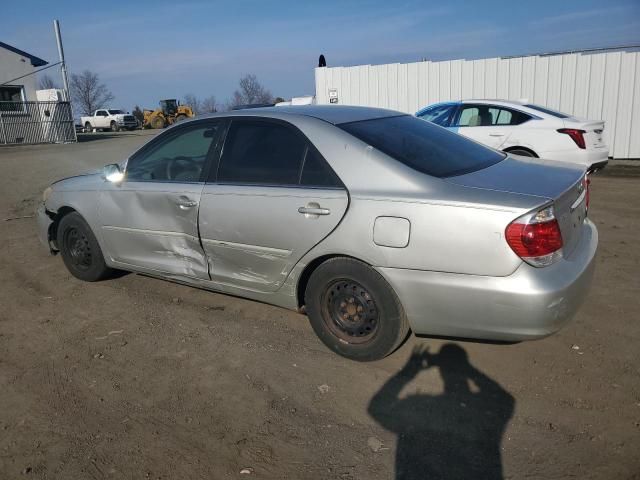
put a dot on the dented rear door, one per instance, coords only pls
(273, 198)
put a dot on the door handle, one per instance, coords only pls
(185, 202)
(314, 211)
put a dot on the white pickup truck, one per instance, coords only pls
(109, 119)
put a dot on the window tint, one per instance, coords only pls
(548, 111)
(261, 152)
(439, 114)
(316, 172)
(115, 112)
(424, 146)
(487, 115)
(179, 158)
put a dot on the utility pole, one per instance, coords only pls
(63, 65)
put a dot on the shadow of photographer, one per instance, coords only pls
(453, 435)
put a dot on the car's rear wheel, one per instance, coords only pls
(87, 128)
(79, 248)
(354, 311)
(522, 152)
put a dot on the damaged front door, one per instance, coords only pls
(150, 219)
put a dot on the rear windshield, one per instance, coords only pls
(423, 146)
(548, 111)
(115, 112)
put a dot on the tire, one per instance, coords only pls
(180, 118)
(87, 128)
(354, 311)
(114, 126)
(79, 249)
(157, 122)
(522, 152)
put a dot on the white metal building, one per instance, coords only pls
(15, 63)
(596, 84)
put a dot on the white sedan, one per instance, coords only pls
(524, 129)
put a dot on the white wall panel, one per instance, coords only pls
(595, 85)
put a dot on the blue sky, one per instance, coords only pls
(147, 50)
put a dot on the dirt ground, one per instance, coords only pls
(140, 378)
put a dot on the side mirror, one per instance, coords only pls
(112, 173)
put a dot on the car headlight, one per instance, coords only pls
(46, 194)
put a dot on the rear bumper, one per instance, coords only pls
(530, 303)
(588, 158)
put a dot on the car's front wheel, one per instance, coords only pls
(79, 248)
(354, 311)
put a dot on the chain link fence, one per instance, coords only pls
(36, 122)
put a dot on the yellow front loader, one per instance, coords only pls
(170, 112)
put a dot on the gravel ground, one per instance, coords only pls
(139, 378)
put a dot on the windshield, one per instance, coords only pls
(423, 146)
(115, 112)
(548, 111)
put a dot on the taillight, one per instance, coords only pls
(536, 237)
(576, 135)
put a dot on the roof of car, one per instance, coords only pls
(335, 114)
(495, 101)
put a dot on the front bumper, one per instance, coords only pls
(127, 124)
(530, 303)
(44, 223)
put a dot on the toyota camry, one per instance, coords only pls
(373, 222)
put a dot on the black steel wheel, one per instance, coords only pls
(350, 311)
(354, 311)
(79, 249)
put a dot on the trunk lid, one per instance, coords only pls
(559, 182)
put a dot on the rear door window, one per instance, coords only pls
(260, 152)
(317, 173)
(489, 115)
(423, 146)
(266, 152)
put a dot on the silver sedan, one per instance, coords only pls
(373, 222)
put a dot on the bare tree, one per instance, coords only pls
(250, 92)
(87, 93)
(208, 105)
(46, 83)
(191, 100)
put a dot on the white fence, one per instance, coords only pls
(595, 85)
